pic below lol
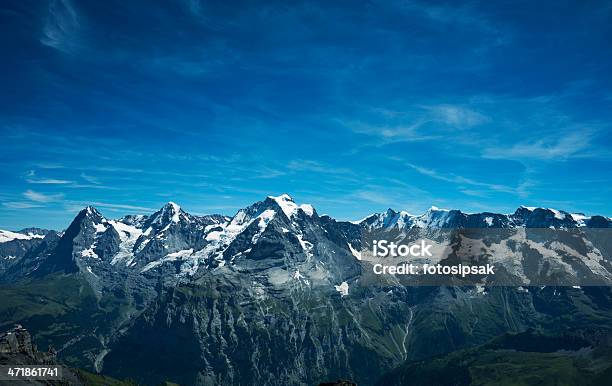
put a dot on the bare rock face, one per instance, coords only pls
(16, 347)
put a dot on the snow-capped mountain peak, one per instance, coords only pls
(289, 207)
(434, 217)
(388, 219)
(172, 208)
(91, 211)
(90, 216)
(169, 214)
(172, 211)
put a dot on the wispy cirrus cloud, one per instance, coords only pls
(30, 177)
(568, 146)
(20, 205)
(91, 182)
(48, 181)
(375, 197)
(90, 179)
(316, 167)
(457, 116)
(463, 17)
(395, 133)
(474, 193)
(457, 179)
(416, 123)
(42, 197)
(60, 26)
(48, 165)
(390, 196)
(195, 7)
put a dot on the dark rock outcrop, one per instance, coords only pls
(16, 347)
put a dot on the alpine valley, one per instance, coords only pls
(272, 296)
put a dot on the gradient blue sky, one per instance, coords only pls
(351, 106)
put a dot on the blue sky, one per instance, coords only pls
(350, 106)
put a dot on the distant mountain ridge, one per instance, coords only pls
(523, 216)
(173, 236)
(529, 217)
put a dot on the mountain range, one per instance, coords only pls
(274, 294)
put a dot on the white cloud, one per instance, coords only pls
(41, 197)
(20, 205)
(48, 181)
(455, 179)
(568, 146)
(90, 179)
(457, 116)
(414, 123)
(374, 197)
(464, 16)
(390, 133)
(45, 165)
(474, 193)
(60, 26)
(304, 165)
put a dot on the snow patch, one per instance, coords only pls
(343, 289)
(89, 252)
(214, 235)
(558, 215)
(176, 210)
(481, 290)
(179, 254)
(355, 253)
(174, 256)
(306, 245)
(6, 236)
(264, 220)
(579, 218)
(128, 235)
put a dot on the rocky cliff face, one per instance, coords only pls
(16, 347)
(274, 294)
